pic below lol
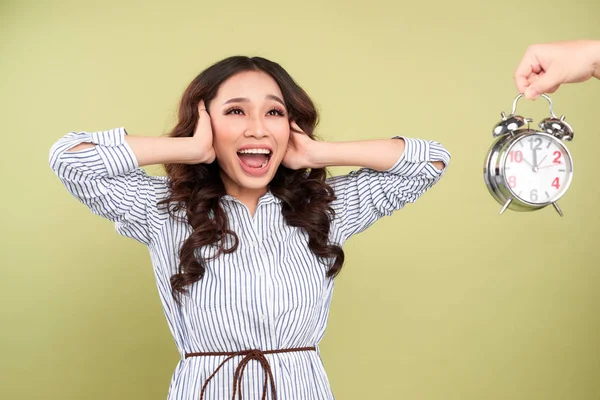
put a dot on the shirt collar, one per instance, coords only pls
(266, 198)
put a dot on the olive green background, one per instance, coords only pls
(444, 300)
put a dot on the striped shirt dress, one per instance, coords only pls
(271, 293)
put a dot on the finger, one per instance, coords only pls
(295, 128)
(545, 83)
(524, 71)
(204, 123)
(201, 107)
(553, 89)
(529, 67)
(203, 115)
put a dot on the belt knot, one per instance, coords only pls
(248, 355)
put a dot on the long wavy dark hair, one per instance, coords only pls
(197, 189)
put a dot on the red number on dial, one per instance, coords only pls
(512, 181)
(557, 155)
(516, 156)
(556, 183)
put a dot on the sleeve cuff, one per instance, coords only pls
(111, 137)
(115, 152)
(418, 153)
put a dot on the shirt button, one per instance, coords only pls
(254, 244)
(263, 317)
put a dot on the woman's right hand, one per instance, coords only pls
(203, 136)
(544, 67)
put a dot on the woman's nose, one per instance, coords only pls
(256, 128)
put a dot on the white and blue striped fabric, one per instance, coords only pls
(271, 293)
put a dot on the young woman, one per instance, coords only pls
(245, 232)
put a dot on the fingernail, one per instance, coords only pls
(531, 93)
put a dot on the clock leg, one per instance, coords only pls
(506, 205)
(557, 208)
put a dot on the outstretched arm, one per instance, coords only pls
(544, 67)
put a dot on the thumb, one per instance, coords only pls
(295, 128)
(203, 123)
(546, 83)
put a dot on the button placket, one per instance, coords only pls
(264, 271)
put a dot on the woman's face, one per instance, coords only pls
(250, 130)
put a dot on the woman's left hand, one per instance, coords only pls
(300, 149)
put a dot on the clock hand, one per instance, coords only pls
(549, 166)
(524, 159)
(540, 163)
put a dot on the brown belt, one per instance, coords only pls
(249, 355)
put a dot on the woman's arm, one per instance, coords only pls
(148, 150)
(379, 155)
(393, 172)
(102, 170)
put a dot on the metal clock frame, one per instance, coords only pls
(509, 132)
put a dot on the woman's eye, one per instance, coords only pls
(239, 111)
(275, 111)
(235, 111)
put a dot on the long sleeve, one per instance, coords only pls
(108, 180)
(365, 195)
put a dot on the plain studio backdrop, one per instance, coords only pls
(444, 300)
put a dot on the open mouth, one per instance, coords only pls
(254, 160)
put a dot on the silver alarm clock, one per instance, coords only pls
(527, 169)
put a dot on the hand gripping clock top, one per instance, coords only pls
(527, 169)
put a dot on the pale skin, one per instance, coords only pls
(248, 110)
(544, 67)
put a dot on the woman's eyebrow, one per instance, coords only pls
(247, 100)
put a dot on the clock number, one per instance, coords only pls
(512, 181)
(537, 141)
(516, 156)
(556, 183)
(557, 155)
(533, 196)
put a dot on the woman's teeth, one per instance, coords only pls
(255, 158)
(255, 151)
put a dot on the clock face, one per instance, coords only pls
(538, 169)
